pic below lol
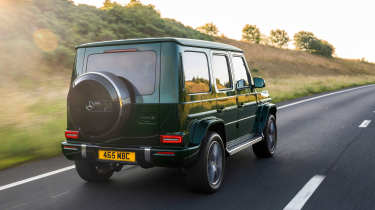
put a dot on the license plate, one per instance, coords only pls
(116, 155)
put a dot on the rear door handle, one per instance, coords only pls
(240, 104)
(220, 108)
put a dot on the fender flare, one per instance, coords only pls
(262, 113)
(199, 129)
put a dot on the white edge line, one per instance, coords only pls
(322, 96)
(41, 176)
(305, 193)
(14, 184)
(364, 124)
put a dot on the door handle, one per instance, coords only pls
(240, 104)
(220, 108)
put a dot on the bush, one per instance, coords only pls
(307, 41)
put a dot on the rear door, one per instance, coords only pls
(225, 93)
(246, 98)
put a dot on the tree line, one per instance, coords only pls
(303, 40)
(53, 28)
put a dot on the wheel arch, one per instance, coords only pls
(200, 128)
(262, 115)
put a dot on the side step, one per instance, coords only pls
(233, 149)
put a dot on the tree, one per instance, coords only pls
(279, 38)
(251, 33)
(304, 40)
(209, 28)
(107, 5)
(307, 41)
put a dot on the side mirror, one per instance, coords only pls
(240, 84)
(259, 82)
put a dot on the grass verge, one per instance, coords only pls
(42, 138)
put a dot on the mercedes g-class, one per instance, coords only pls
(166, 102)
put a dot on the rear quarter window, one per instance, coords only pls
(137, 67)
(197, 79)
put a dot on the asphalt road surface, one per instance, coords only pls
(325, 160)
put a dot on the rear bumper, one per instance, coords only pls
(145, 156)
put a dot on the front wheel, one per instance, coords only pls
(93, 172)
(208, 173)
(267, 147)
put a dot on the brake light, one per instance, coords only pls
(71, 134)
(121, 50)
(169, 139)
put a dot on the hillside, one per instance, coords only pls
(37, 39)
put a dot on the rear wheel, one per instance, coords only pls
(267, 147)
(93, 172)
(208, 173)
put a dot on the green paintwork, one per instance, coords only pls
(171, 111)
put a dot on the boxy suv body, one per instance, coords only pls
(166, 102)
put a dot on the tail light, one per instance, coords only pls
(71, 134)
(169, 139)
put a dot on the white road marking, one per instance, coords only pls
(322, 96)
(72, 166)
(36, 177)
(364, 124)
(305, 193)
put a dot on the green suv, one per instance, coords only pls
(166, 102)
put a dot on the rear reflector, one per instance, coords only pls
(70, 148)
(167, 139)
(71, 134)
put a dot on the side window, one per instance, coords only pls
(221, 70)
(240, 71)
(197, 79)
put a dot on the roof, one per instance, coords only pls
(181, 41)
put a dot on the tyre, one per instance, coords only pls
(207, 174)
(267, 147)
(93, 172)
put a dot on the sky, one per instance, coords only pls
(347, 24)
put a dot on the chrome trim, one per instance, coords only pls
(206, 100)
(244, 145)
(202, 113)
(83, 150)
(266, 100)
(229, 108)
(240, 120)
(148, 154)
(250, 103)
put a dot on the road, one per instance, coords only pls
(325, 160)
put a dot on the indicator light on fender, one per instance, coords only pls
(169, 139)
(71, 134)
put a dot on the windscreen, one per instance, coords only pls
(137, 67)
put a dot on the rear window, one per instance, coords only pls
(137, 67)
(197, 79)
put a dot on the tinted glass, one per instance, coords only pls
(240, 71)
(221, 71)
(197, 79)
(137, 67)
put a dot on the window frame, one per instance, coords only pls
(249, 77)
(184, 73)
(230, 72)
